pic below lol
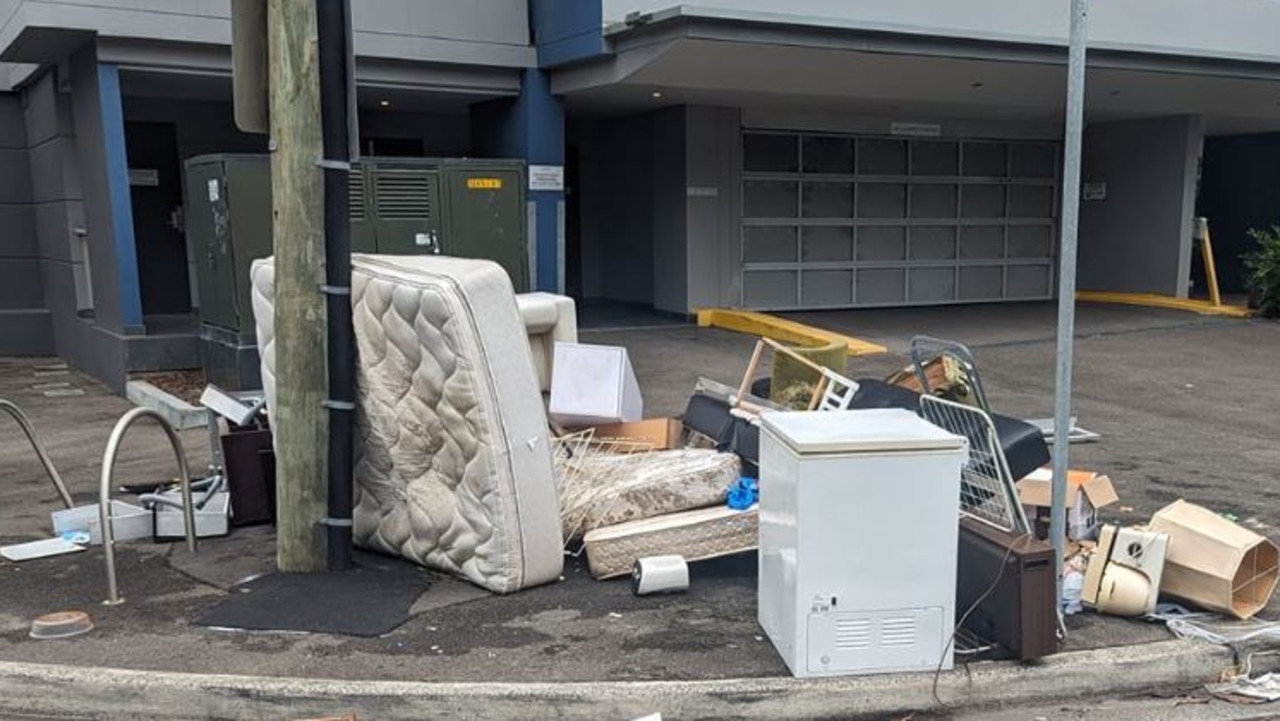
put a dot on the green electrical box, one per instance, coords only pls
(399, 206)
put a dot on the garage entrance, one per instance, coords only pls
(840, 221)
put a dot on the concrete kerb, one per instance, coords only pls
(34, 689)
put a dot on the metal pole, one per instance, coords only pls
(104, 491)
(1067, 277)
(54, 477)
(331, 17)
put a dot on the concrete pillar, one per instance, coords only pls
(99, 124)
(1140, 190)
(531, 126)
(713, 137)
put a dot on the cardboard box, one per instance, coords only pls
(593, 384)
(1086, 493)
(659, 434)
(1214, 563)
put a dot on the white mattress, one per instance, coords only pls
(695, 535)
(453, 465)
(604, 489)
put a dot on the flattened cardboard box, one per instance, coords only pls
(1086, 493)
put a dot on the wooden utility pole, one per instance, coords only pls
(299, 419)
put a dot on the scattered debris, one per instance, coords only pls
(44, 548)
(1245, 690)
(1125, 571)
(1086, 493)
(1076, 435)
(659, 574)
(63, 624)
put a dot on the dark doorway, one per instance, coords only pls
(1239, 190)
(391, 147)
(572, 226)
(155, 188)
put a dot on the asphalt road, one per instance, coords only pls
(1187, 408)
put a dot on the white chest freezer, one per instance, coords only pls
(858, 530)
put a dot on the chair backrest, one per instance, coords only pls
(987, 491)
(837, 392)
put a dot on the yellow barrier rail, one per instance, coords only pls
(781, 329)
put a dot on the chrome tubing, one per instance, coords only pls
(104, 491)
(13, 410)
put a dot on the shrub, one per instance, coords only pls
(1262, 266)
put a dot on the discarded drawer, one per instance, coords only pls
(210, 521)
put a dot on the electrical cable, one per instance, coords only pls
(937, 674)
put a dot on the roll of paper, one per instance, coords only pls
(659, 574)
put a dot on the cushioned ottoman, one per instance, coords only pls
(453, 464)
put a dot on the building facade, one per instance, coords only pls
(742, 153)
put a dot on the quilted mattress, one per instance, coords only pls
(604, 489)
(695, 535)
(453, 465)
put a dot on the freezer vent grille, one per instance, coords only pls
(898, 631)
(853, 634)
(403, 195)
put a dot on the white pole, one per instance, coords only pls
(1067, 276)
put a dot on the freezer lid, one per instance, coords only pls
(858, 431)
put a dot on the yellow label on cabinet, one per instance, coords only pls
(484, 183)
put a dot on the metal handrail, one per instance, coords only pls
(23, 422)
(104, 491)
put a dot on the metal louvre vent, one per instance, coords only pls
(355, 193)
(403, 195)
(899, 631)
(853, 634)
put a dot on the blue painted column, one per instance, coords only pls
(544, 146)
(531, 126)
(117, 167)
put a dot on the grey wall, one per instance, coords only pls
(670, 260)
(58, 198)
(713, 240)
(1215, 28)
(24, 322)
(483, 32)
(1138, 240)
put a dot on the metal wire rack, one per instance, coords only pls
(987, 492)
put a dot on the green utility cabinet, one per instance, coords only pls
(399, 206)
